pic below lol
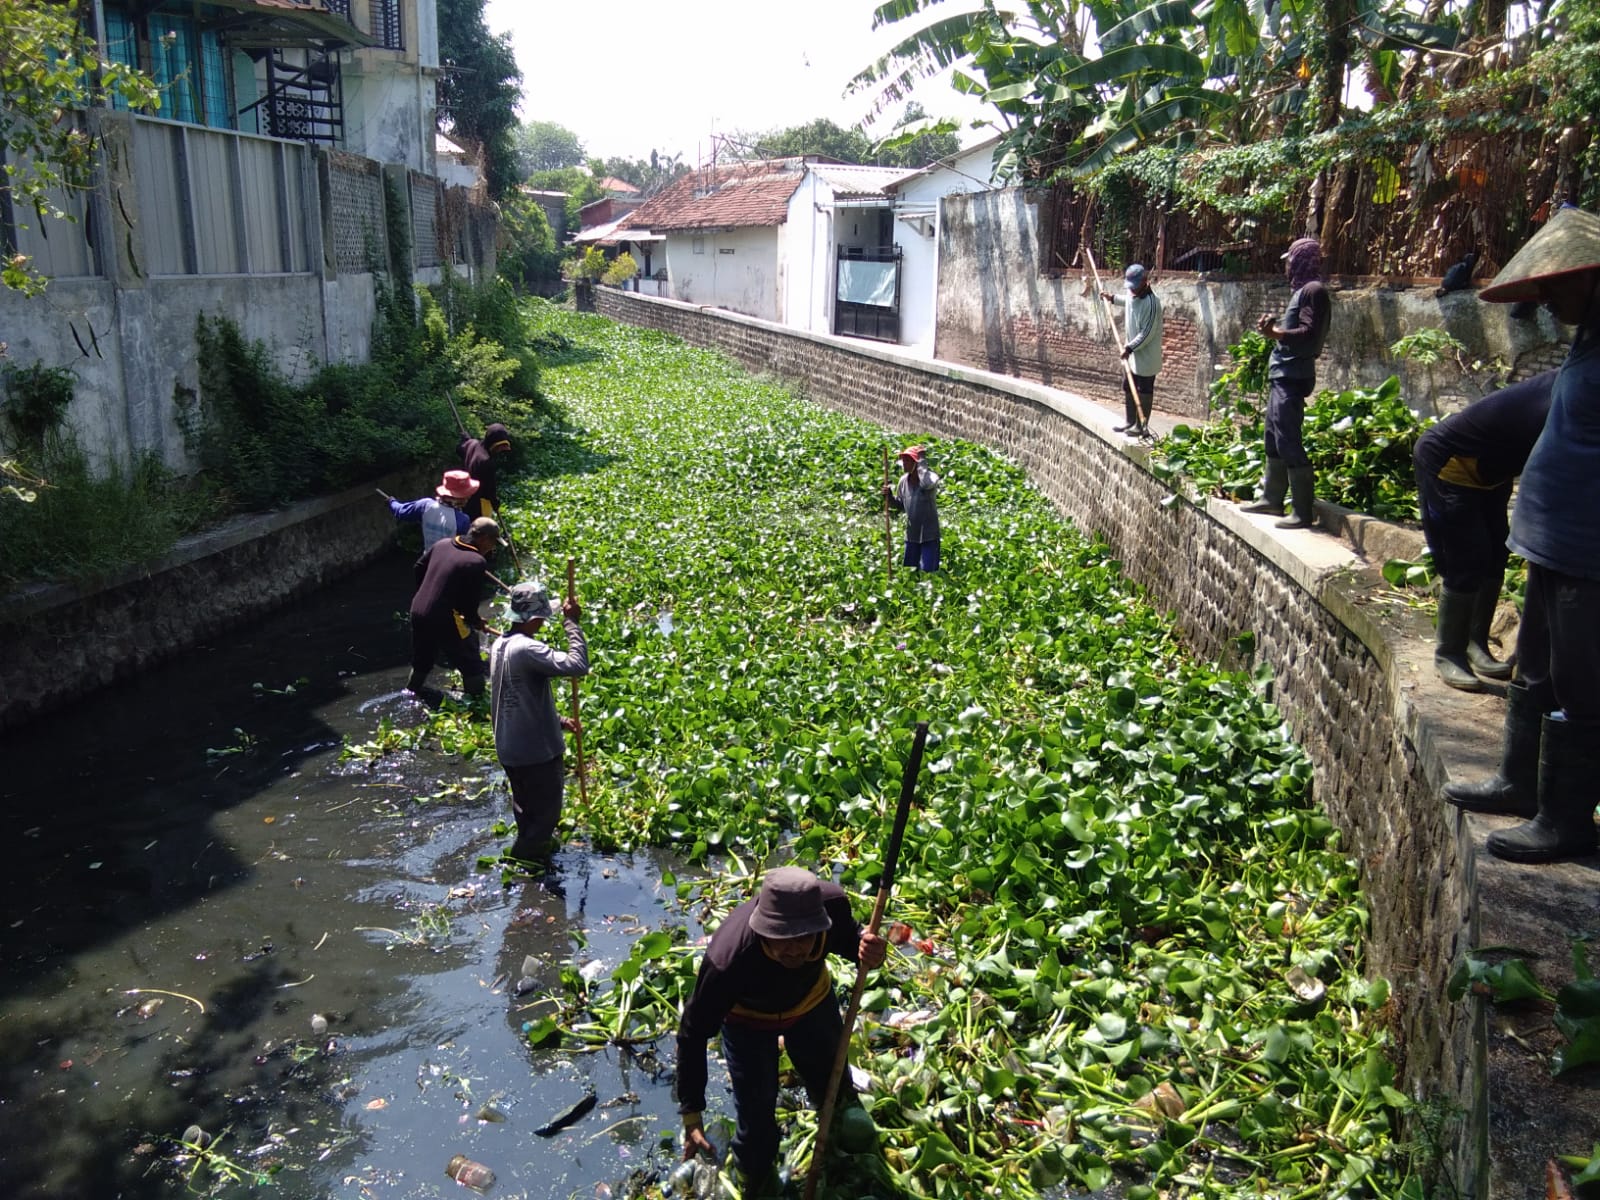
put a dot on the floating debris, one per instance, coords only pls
(571, 1115)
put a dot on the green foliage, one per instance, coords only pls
(580, 186)
(1359, 440)
(479, 87)
(50, 68)
(622, 269)
(1428, 346)
(588, 265)
(36, 400)
(1115, 863)
(823, 137)
(85, 523)
(530, 254)
(546, 146)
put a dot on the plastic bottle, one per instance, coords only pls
(470, 1174)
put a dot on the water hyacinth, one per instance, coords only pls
(1122, 894)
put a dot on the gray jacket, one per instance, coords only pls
(522, 705)
(922, 512)
(1143, 332)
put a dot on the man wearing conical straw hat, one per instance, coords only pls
(1550, 760)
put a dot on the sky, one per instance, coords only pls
(630, 76)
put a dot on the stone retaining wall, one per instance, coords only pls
(65, 640)
(1340, 665)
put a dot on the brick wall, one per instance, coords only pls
(1340, 675)
(997, 310)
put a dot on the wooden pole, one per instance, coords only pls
(841, 1058)
(383, 493)
(1127, 367)
(888, 521)
(577, 736)
(460, 424)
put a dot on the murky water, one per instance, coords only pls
(193, 879)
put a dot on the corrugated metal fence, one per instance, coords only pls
(215, 202)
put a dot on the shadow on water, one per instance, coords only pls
(176, 919)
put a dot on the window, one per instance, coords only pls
(173, 67)
(386, 26)
(122, 44)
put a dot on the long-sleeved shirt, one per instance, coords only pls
(522, 705)
(736, 973)
(450, 577)
(1556, 520)
(1486, 445)
(1305, 328)
(1143, 334)
(919, 506)
(478, 459)
(438, 520)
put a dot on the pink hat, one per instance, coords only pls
(914, 453)
(457, 485)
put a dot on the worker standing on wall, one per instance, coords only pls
(1550, 758)
(1292, 376)
(1141, 350)
(1465, 467)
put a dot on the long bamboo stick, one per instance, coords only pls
(888, 521)
(577, 735)
(841, 1058)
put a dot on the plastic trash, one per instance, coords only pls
(319, 1024)
(195, 1136)
(470, 1174)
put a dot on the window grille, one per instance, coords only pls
(386, 27)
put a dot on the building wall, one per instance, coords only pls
(735, 269)
(1339, 673)
(808, 251)
(996, 310)
(919, 241)
(389, 108)
(129, 335)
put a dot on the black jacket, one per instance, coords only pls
(450, 579)
(480, 463)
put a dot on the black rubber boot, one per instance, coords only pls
(1274, 487)
(1450, 651)
(1485, 601)
(1303, 499)
(1514, 789)
(1569, 756)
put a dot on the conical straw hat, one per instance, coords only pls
(1569, 243)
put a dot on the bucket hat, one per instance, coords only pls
(530, 600)
(456, 485)
(789, 905)
(1569, 243)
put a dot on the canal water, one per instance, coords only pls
(195, 879)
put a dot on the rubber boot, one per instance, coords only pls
(1478, 657)
(1564, 826)
(1274, 486)
(1456, 611)
(1513, 790)
(1303, 493)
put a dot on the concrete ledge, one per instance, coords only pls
(1353, 673)
(65, 640)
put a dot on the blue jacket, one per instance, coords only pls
(1556, 521)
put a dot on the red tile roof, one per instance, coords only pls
(741, 196)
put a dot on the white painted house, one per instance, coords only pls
(916, 230)
(813, 244)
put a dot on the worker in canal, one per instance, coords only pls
(765, 975)
(527, 728)
(443, 514)
(1465, 467)
(479, 458)
(914, 495)
(1550, 756)
(445, 621)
